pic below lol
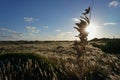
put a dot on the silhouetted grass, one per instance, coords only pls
(111, 46)
(21, 66)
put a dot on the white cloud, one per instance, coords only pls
(10, 34)
(114, 3)
(30, 19)
(57, 30)
(109, 23)
(32, 29)
(75, 19)
(7, 30)
(3, 35)
(11, 31)
(45, 26)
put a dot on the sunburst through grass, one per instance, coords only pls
(92, 30)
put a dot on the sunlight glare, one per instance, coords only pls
(91, 29)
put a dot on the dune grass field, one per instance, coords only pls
(57, 60)
(60, 40)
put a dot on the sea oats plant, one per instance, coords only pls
(80, 46)
(81, 28)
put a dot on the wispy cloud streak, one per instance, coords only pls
(30, 19)
(57, 30)
(109, 23)
(10, 34)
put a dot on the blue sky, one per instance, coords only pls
(55, 19)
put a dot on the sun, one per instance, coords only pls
(91, 29)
